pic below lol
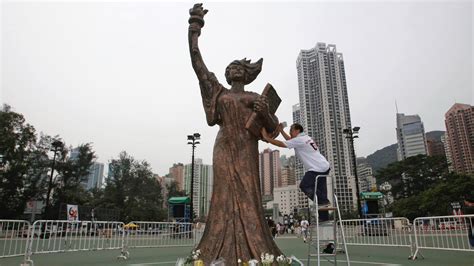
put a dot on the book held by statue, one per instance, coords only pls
(253, 124)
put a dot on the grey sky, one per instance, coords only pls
(118, 74)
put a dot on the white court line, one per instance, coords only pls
(352, 261)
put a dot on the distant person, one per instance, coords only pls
(272, 227)
(315, 163)
(304, 228)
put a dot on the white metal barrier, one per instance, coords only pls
(50, 236)
(13, 237)
(444, 233)
(161, 234)
(395, 232)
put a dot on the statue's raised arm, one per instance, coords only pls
(196, 22)
(210, 86)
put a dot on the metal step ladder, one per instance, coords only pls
(323, 235)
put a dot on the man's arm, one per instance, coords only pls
(283, 133)
(275, 142)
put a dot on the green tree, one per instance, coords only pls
(23, 164)
(132, 188)
(436, 200)
(413, 175)
(71, 173)
(174, 191)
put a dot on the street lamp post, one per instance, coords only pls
(193, 141)
(351, 134)
(56, 146)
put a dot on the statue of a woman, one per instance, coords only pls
(236, 227)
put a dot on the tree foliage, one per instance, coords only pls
(18, 181)
(132, 188)
(71, 175)
(27, 163)
(422, 186)
(174, 191)
(413, 175)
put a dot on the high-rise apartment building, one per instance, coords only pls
(270, 172)
(447, 151)
(435, 147)
(177, 173)
(366, 177)
(287, 198)
(202, 189)
(459, 120)
(410, 136)
(95, 178)
(324, 110)
(287, 171)
(299, 168)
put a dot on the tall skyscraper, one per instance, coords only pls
(459, 122)
(202, 191)
(410, 136)
(299, 168)
(324, 108)
(177, 173)
(270, 172)
(95, 179)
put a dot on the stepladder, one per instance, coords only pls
(325, 228)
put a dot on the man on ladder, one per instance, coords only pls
(314, 162)
(317, 171)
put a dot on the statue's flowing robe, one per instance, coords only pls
(236, 227)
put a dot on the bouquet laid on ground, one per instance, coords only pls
(193, 258)
(283, 261)
(266, 260)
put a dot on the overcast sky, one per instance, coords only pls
(118, 74)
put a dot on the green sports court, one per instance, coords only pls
(359, 255)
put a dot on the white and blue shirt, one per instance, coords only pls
(308, 152)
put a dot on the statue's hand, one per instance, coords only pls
(261, 105)
(197, 15)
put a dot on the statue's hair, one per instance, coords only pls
(251, 70)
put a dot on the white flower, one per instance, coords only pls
(239, 261)
(195, 257)
(198, 251)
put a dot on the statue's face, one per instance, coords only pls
(236, 72)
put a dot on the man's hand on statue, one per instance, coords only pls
(281, 127)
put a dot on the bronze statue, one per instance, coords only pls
(236, 227)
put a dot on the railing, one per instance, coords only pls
(51, 236)
(19, 238)
(161, 234)
(444, 233)
(13, 237)
(394, 232)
